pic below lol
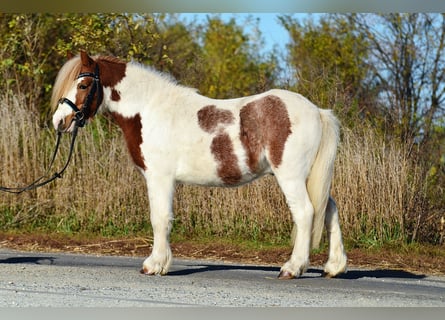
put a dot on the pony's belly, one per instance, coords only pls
(218, 179)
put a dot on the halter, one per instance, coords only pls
(80, 115)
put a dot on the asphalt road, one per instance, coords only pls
(65, 280)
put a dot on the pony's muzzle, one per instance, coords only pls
(65, 124)
(60, 126)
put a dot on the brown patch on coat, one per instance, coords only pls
(115, 96)
(210, 118)
(264, 123)
(132, 129)
(112, 70)
(228, 169)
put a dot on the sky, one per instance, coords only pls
(272, 32)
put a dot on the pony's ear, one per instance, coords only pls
(87, 61)
(69, 55)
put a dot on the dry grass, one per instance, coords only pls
(379, 192)
(377, 188)
(99, 188)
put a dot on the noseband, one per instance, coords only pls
(80, 115)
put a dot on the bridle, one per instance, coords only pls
(80, 115)
(79, 121)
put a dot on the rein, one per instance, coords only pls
(79, 121)
(38, 183)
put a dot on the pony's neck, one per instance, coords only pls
(154, 88)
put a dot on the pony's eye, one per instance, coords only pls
(82, 86)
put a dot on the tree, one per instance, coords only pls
(25, 56)
(329, 62)
(408, 63)
(179, 42)
(127, 36)
(232, 65)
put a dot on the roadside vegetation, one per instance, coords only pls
(382, 74)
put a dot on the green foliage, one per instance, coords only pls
(25, 55)
(216, 57)
(179, 51)
(328, 58)
(232, 66)
(128, 36)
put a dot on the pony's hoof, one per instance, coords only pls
(327, 275)
(145, 271)
(285, 275)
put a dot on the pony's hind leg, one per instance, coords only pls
(302, 213)
(336, 263)
(160, 191)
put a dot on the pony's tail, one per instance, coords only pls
(319, 181)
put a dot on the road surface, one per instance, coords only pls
(65, 280)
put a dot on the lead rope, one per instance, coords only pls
(36, 183)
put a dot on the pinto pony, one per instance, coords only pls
(175, 135)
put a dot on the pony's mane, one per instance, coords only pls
(164, 81)
(108, 59)
(64, 80)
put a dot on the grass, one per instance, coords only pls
(381, 193)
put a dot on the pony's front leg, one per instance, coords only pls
(160, 191)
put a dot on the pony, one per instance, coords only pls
(176, 135)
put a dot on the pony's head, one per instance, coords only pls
(77, 93)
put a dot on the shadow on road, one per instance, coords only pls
(214, 267)
(27, 260)
(380, 273)
(350, 275)
(201, 268)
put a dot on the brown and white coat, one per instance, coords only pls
(175, 135)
